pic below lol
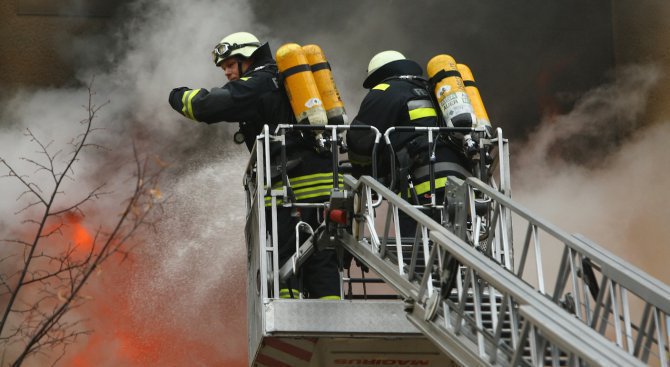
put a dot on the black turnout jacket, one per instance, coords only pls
(399, 96)
(254, 100)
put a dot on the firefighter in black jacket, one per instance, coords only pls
(254, 97)
(400, 96)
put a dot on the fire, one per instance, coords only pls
(139, 325)
(129, 331)
(83, 241)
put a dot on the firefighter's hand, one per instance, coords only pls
(175, 98)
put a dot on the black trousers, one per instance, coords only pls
(319, 276)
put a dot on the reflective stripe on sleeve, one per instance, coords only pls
(186, 99)
(420, 108)
(422, 112)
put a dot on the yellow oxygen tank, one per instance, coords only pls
(450, 92)
(475, 97)
(332, 102)
(300, 85)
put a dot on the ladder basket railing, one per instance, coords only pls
(268, 188)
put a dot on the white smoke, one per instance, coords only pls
(194, 269)
(612, 189)
(191, 276)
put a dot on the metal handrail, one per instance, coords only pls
(448, 303)
(433, 134)
(613, 297)
(462, 334)
(334, 129)
(258, 170)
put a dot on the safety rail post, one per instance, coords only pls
(461, 332)
(613, 297)
(504, 187)
(257, 183)
(503, 163)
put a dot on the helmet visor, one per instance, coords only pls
(224, 50)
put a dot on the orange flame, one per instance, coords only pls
(83, 241)
(123, 335)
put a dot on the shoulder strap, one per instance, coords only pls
(268, 68)
(414, 79)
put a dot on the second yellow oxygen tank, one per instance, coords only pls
(475, 97)
(323, 76)
(450, 92)
(300, 85)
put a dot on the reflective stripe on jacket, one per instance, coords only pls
(314, 187)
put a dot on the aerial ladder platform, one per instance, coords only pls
(464, 290)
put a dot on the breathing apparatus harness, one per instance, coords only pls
(240, 136)
(409, 155)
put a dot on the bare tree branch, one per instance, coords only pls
(95, 194)
(52, 279)
(30, 186)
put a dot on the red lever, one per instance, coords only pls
(338, 216)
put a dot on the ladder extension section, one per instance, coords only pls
(611, 296)
(475, 310)
(480, 296)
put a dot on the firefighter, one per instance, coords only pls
(254, 97)
(400, 96)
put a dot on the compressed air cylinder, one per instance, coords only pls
(300, 85)
(450, 92)
(325, 83)
(475, 97)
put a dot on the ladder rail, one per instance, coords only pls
(595, 285)
(461, 333)
(601, 290)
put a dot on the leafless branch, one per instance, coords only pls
(54, 279)
(29, 186)
(94, 194)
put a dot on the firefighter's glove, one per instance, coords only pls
(176, 97)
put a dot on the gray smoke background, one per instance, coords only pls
(600, 170)
(591, 165)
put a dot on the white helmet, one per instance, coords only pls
(241, 43)
(382, 59)
(387, 61)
